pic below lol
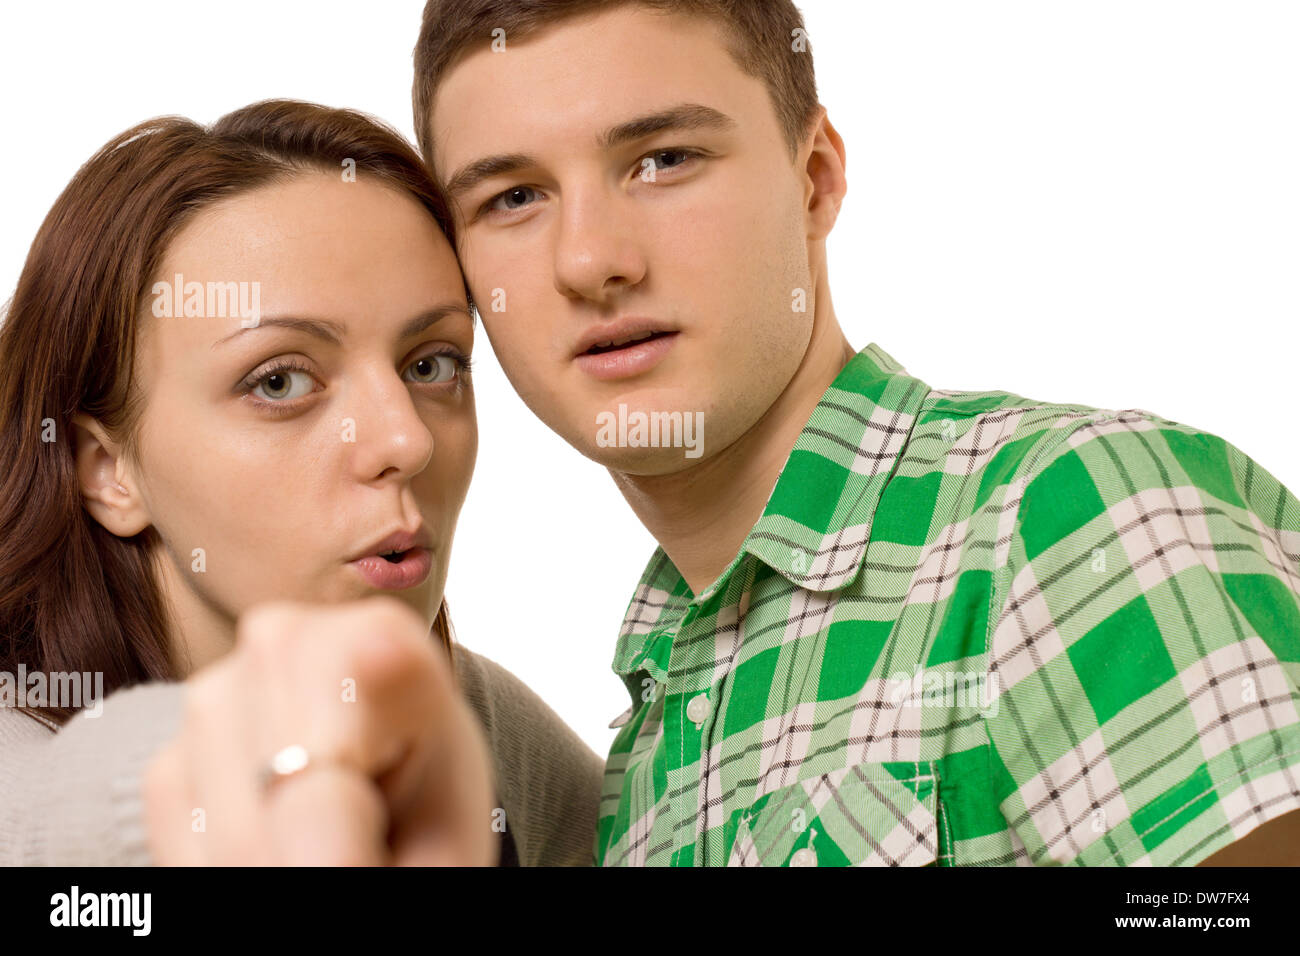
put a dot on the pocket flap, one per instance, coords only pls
(870, 814)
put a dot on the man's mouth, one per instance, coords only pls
(614, 345)
(624, 348)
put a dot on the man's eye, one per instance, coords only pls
(679, 155)
(433, 369)
(512, 199)
(665, 160)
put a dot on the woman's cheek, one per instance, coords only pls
(453, 469)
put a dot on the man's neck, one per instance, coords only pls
(702, 515)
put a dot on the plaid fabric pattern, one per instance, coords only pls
(970, 629)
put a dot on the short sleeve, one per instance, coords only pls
(1144, 647)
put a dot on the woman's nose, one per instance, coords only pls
(388, 431)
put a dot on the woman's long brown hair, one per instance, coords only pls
(73, 596)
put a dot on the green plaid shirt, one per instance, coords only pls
(970, 629)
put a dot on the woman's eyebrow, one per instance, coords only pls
(333, 332)
(431, 316)
(329, 331)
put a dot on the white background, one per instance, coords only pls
(1092, 202)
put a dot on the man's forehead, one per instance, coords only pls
(581, 77)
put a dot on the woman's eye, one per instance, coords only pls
(433, 369)
(278, 385)
(512, 199)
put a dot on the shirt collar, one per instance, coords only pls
(817, 522)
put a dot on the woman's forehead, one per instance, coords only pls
(351, 254)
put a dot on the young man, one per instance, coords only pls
(886, 623)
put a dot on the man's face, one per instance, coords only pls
(581, 230)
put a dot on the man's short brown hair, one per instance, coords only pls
(767, 39)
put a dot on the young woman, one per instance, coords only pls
(237, 428)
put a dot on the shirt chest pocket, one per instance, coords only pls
(870, 814)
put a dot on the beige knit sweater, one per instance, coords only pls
(72, 797)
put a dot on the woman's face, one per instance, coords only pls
(270, 457)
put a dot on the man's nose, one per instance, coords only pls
(596, 254)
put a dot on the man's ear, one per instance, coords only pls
(108, 490)
(824, 188)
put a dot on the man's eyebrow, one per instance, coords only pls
(333, 333)
(471, 174)
(687, 116)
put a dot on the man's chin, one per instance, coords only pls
(644, 437)
(640, 462)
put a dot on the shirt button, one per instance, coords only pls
(698, 709)
(804, 857)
